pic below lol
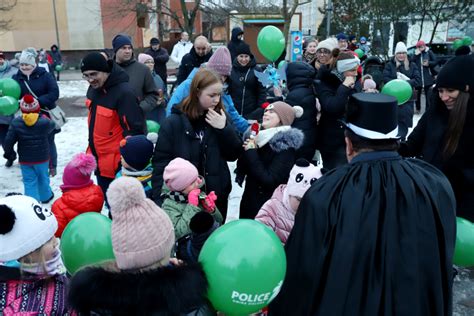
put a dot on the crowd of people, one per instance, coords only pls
(366, 211)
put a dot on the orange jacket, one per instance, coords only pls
(76, 202)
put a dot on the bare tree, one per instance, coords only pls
(288, 9)
(6, 6)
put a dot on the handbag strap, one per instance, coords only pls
(31, 91)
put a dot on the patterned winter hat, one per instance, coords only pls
(28, 56)
(220, 62)
(302, 176)
(28, 104)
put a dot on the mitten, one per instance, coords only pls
(209, 203)
(193, 197)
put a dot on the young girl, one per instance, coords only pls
(269, 156)
(279, 212)
(182, 197)
(31, 131)
(80, 194)
(142, 280)
(37, 285)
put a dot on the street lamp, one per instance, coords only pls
(328, 18)
(56, 24)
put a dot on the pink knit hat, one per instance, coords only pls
(285, 112)
(142, 58)
(369, 84)
(142, 233)
(220, 62)
(302, 176)
(179, 174)
(77, 173)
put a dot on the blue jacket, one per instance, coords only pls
(32, 140)
(43, 85)
(182, 91)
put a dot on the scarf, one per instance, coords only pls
(4, 66)
(264, 136)
(30, 118)
(309, 57)
(54, 266)
(177, 197)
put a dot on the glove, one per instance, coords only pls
(193, 197)
(209, 202)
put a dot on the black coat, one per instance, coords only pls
(266, 168)
(177, 138)
(300, 78)
(234, 42)
(333, 96)
(427, 142)
(190, 61)
(426, 78)
(373, 237)
(246, 91)
(390, 73)
(162, 291)
(160, 57)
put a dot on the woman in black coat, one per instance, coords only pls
(269, 156)
(246, 91)
(198, 131)
(401, 68)
(300, 81)
(444, 135)
(334, 86)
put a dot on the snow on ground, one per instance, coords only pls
(72, 88)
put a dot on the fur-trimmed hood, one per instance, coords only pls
(163, 291)
(280, 138)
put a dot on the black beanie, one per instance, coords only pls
(243, 48)
(154, 41)
(95, 61)
(457, 73)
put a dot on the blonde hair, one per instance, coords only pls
(29, 259)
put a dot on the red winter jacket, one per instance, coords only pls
(76, 202)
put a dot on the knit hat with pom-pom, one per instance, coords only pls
(142, 233)
(25, 225)
(28, 104)
(77, 174)
(220, 62)
(286, 112)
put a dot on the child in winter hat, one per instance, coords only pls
(136, 152)
(183, 198)
(220, 62)
(31, 131)
(368, 84)
(278, 213)
(80, 194)
(27, 239)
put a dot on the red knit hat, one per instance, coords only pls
(28, 104)
(77, 173)
(420, 43)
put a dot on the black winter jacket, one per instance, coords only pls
(160, 57)
(427, 142)
(333, 96)
(162, 291)
(390, 73)
(234, 42)
(246, 91)
(177, 138)
(32, 140)
(43, 85)
(300, 77)
(266, 168)
(190, 61)
(426, 78)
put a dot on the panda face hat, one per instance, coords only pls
(302, 176)
(25, 226)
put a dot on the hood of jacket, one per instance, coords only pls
(299, 74)
(166, 291)
(252, 63)
(236, 31)
(117, 76)
(197, 58)
(283, 139)
(88, 199)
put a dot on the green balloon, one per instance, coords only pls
(360, 53)
(398, 88)
(457, 43)
(152, 126)
(86, 240)
(271, 42)
(281, 64)
(464, 250)
(58, 68)
(10, 87)
(8, 105)
(245, 265)
(467, 40)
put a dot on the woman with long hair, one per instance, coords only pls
(198, 130)
(444, 135)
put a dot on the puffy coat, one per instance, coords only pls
(180, 49)
(390, 73)
(333, 96)
(190, 61)
(276, 215)
(166, 290)
(427, 141)
(8, 72)
(43, 85)
(182, 92)
(426, 78)
(76, 202)
(246, 91)
(160, 57)
(56, 56)
(266, 168)
(177, 138)
(113, 114)
(300, 77)
(32, 140)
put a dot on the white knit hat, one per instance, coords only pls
(328, 44)
(142, 233)
(28, 56)
(401, 48)
(25, 226)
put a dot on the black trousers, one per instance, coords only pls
(427, 97)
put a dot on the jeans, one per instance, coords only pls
(3, 132)
(36, 181)
(53, 154)
(427, 98)
(405, 119)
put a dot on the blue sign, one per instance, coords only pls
(296, 45)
